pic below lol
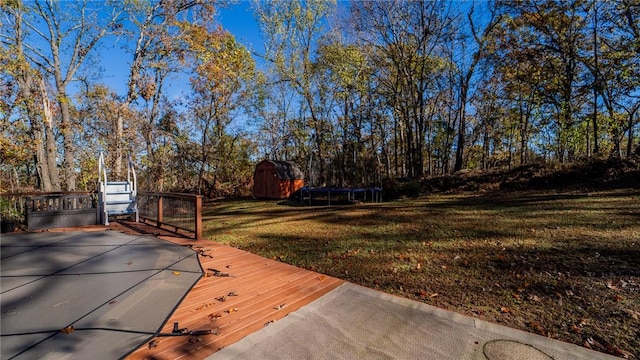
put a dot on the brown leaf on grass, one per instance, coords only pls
(597, 343)
(537, 328)
(434, 295)
(535, 298)
(576, 329)
(617, 297)
(516, 296)
(504, 310)
(633, 314)
(611, 285)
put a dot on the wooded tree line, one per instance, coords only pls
(354, 93)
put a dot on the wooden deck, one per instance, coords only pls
(267, 291)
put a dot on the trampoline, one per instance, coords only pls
(374, 194)
(88, 295)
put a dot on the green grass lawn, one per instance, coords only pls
(563, 265)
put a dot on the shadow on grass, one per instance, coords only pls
(471, 254)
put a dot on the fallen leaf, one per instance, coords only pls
(576, 329)
(232, 293)
(221, 298)
(231, 310)
(434, 295)
(153, 343)
(213, 317)
(634, 314)
(617, 297)
(591, 343)
(269, 322)
(537, 328)
(516, 296)
(505, 310)
(607, 347)
(280, 307)
(203, 306)
(535, 298)
(176, 273)
(113, 302)
(195, 339)
(611, 286)
(67, 330)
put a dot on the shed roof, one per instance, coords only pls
(287, 170)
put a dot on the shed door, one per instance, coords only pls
(260, 183)
(273, 190)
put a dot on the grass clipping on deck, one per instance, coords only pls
(562, 265)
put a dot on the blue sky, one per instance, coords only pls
(237, 18)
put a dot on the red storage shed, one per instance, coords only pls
(275, 179)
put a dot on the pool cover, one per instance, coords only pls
(88, 295)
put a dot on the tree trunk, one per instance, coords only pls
(50, 142)
(66, 128)
(631, 115)
(462, 123)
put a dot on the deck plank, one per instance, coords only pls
(262, 286)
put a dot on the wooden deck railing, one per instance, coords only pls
(180, 211)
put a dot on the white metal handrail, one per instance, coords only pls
(131, 171)
(102, 172)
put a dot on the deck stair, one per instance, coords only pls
(117, 197)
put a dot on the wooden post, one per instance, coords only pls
(198, 217)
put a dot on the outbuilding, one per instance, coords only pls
(274, 179)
